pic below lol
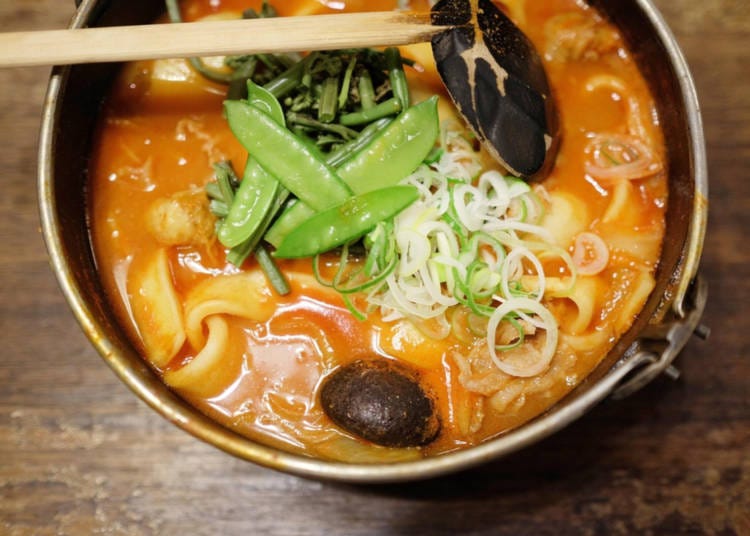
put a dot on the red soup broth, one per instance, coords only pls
(162, 129)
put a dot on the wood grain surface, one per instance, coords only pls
(80, 454)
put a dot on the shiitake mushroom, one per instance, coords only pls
(381, 401)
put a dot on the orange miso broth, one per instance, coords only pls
(168, 278)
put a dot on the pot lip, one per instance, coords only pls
(184, 416)
(699, 219)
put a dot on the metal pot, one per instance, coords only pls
(663, 327)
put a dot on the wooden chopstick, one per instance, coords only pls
(214, 38)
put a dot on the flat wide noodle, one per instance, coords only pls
(156, 309)
(585, 295)
(566, 216)
(215, 366)
(245, 295)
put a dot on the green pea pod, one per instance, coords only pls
(258, 189)
(285, 157)
(388, 159)
(252, 201)
(397, 152)
(288, 220)
(369, 133)
(345, 222)
(264, 100)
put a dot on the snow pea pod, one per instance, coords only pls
(285, 157)
(258, 191)
(264, 100)
(291, 217)
(369, 133)
(388, 159)
(345, 222)
(397, 152)
(254, 198)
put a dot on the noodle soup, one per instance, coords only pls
(567, 261)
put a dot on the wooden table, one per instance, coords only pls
(79, 454)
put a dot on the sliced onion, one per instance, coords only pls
(470, 213)
(513, 269)
(414, 249)
(590, 254)
(617, 156)
(511, 225)
(470, 256)
(433, 288)
(546, 322)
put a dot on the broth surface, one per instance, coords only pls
(161, 131)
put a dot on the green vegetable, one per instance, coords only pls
(226, 181)
(366, 91)
(266, 10)
(397, 76)
(262, 192)
(291, 218)
(345, 151)
(295, 118)
(274, 275)
(329, 98)
(287, 158)
(258, 191)
(389, 158)
(346, 222)
(381, 245)
(384, 109)
(253, 199)
(347, 83)
(241, 75)
(295, 214)
(222, 194)
(265, 101)
(397, 152)
(289, 80)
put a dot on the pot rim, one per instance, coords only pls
(187, 418)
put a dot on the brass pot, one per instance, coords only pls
(663, 327)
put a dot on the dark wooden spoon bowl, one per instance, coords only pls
(496, 78)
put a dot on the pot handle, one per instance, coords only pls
(660, 344)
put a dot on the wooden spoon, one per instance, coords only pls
(490, 68)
